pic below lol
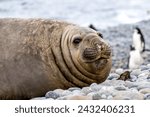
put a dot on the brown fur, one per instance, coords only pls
(37, 55)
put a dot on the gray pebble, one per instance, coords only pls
(66, 92)
(120, 87)
(119, 71)
(110, 97)
(145, 74)
(145, 90)
(113, 76)
(136, 72)
(133, 78)
(127, 95)
(52, 94)
(131, 84)
(144, 67)
(147, 96)
(96, 96)
(148, 65)
(86, 90)
(38, 98)
(143, 85)
(74, 88)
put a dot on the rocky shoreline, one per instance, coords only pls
(135, 88)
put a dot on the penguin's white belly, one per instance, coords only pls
(135, 59)
(137, 42)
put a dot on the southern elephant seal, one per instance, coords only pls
(38, 55)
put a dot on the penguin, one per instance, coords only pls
(135, 58)
(138, 40)
(93, 27)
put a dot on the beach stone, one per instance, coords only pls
(127, 95)
(103, 96)
(66, 92)
(130, 84)
(143, 85)
(93, 84)
(86, 90)
(145, 90)
(113, 76)
(115, 82)
(91, 93)
(148, 65)
(97, 96)
(52, 94)
(145, 74)
(110, 97)
(144, 67)
(119, 71)
(96, 87)
(59, 91)
(134, 89)
(136, 72)
(74, 88)
(38, 98)
(78, 97)
(133, 78)
(147, 96)
(120, 87)
(77, 92)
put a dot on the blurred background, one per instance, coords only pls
(102, 13)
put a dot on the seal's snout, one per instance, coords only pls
(90, 53)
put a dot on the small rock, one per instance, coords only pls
(78, 97)
(77, 92)
(127, 95)
(136, 72)
(38, 98)
(59, 91)
(66, 92)
(86, 90)
(52, 94)
(147, 96)
(103, 96)
(96, 87)
(143, 85)
(74, 88)
(144, 67)
(113, 76)
(131, 84)
(119, 71)
(96, 96)
(145, 90)
(120, 87)
(133, 78)
(144, 74)
(148, 65)
(93, 84)
(110, 97)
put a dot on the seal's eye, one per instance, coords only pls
(99, 34)
(77, 40)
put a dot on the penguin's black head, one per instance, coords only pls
(132, 48)
(137, 29)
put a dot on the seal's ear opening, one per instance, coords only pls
(77, 40)
(100, 35)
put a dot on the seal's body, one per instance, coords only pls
(40, 55)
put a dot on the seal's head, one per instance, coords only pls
(89, 51)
